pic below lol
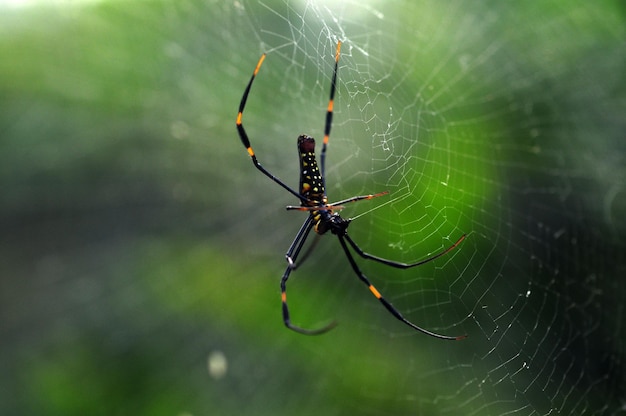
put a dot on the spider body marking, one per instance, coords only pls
(312, 188)
(311, 183)
(321, 218)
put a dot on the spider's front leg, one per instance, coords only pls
(246, 141)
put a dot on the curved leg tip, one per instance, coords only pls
(311, 331)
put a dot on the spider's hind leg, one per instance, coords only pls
(292, 257)
(382, 300)
(397, 264)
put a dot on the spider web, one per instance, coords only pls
(498, 121)
(501, 121)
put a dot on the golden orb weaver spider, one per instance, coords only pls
(321, 219)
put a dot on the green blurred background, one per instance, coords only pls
(140, 251)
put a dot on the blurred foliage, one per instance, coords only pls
(137, 239)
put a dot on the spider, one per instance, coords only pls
(322, 218)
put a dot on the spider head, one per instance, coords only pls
(306, 144)
(327, 221)
(338, 225)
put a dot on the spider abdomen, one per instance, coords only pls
(311, 182)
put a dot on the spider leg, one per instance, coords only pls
(246, 141)
(292, 255)
(335, 206)
(358, 198)
(382, 300)
(308, 251)
(329, 114)
(298, 242)
(332, 207)
(398, 264)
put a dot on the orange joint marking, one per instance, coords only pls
(338, 49)
(326, 139)
(375, 292)
(331, 105)
(283, 297)
(456, 244)
(250, 152)
(239, 116)
(258, 66)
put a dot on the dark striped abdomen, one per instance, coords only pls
(311, 182)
